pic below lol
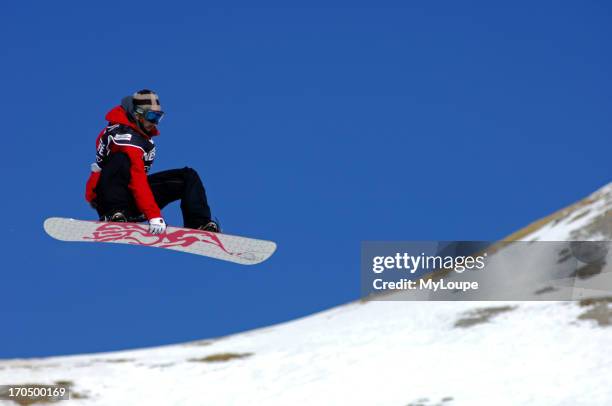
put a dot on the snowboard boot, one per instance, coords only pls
(117, 217)
(121, 217)
(211, 226)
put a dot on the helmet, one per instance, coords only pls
(146, 104)
(145, 100)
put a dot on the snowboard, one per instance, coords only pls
(241, 250)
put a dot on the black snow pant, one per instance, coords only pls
(113, 193)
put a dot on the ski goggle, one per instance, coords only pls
(153, 116)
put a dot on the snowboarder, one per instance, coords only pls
(118, 186)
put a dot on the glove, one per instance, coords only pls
(157, 225)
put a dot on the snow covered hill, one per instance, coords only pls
(394, 353)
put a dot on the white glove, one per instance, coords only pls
(157, 225)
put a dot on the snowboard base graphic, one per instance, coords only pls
(241, 250)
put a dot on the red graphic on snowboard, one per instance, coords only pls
(139, 235)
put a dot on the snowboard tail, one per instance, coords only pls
(241, 250)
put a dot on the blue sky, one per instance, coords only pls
(315, 126)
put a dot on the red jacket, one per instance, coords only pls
(141, 151)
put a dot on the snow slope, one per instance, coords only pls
(375, 353)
